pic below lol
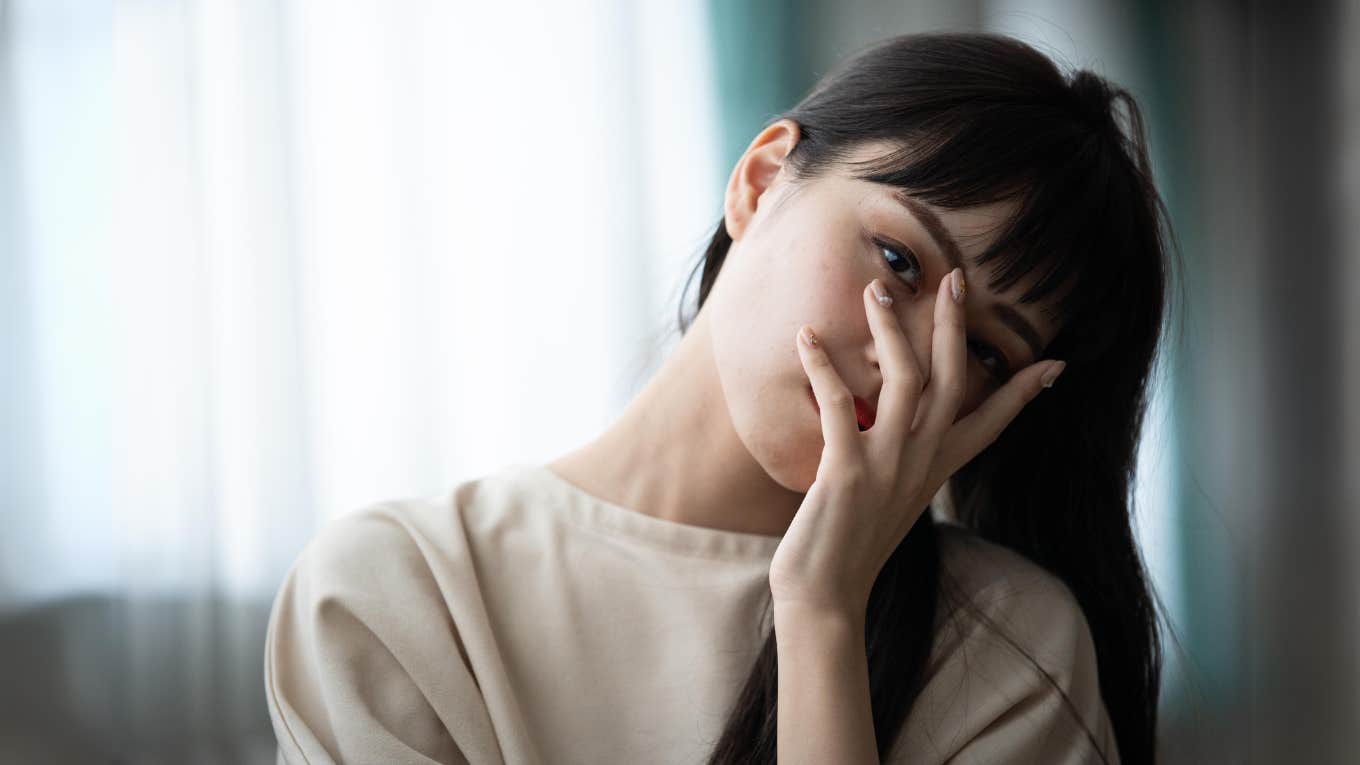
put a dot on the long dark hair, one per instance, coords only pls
(978, 118)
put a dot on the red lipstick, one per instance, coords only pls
(864, 412)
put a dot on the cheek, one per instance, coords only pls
(791, 276)
(754, 327)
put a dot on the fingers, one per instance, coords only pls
(902, 379)
(983, 425)
(839, 424)
(948, 358)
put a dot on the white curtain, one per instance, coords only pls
(262, 263)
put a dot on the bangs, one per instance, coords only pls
(1073, 224)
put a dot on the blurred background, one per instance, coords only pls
(263, 263)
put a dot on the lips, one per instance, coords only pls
(864, 412)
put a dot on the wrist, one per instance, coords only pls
(818, 620)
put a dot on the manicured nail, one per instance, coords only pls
(808, 337)
(880, 294)
(956, 284)
(1052, 373)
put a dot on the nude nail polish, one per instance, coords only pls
(1052, 374)
(880, 293)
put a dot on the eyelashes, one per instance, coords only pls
(899, 264)
(906, 267)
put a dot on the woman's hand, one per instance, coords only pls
(871, 486)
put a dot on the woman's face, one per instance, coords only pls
(802, 254)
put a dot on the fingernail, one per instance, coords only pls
(805, 332)
(1052, 374)
(956, 284)
(880, 294)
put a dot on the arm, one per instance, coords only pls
(824, 710)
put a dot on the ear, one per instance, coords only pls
(755, 173)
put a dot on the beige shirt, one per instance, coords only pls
(518, 619)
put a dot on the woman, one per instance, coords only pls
(743, 563)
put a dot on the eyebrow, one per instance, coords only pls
(953, 255)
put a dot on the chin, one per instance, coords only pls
(784, 437)
(795, 478)
(790, 459)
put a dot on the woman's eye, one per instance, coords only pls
(903, 263)
(994, 362)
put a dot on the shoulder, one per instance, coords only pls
(358, 646)
(1012, 675)
(999, 602)
(1003, 582)
(421, 546)
(371, 574)
(375, 548)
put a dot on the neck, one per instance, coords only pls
(674, 453)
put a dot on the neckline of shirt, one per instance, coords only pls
(600, 514)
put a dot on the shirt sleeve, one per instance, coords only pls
(358, 645)
(986, 702)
